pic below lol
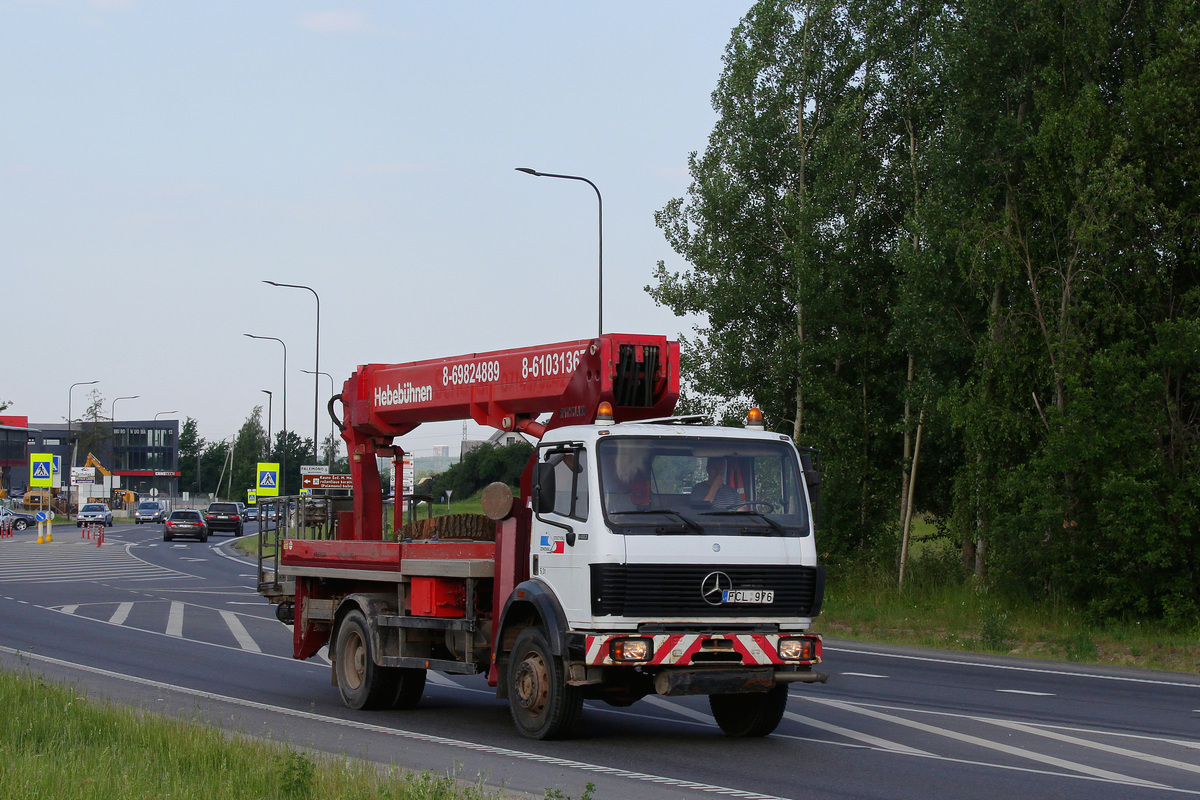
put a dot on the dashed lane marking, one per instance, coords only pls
(121, 614)
(239, 632)
(175, 620)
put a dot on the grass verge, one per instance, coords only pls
(940, 608)
(58, 744)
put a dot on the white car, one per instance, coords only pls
(94, 512)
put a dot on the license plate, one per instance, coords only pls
(758, 596)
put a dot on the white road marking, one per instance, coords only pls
(323, 654)
(681, 710)
(69, 609)
(981, 742)
(438, 679)
(862, 674)
(1022, 691)
(175, 620)
(865, 738)
(121, 614)
(239, 632)
(1105, 748)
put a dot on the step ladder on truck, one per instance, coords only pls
(645, 554)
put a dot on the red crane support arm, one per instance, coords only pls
(503, 389)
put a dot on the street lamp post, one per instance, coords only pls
(74, 447)
(160, 413)
(317, 366)
(73, 385)
(270, 402)
(283, 453)
(331, 393)
(600, 204)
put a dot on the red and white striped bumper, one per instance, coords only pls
(681, 649)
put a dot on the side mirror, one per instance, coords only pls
(543, 489)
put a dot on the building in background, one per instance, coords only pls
(14, 453)
(442, 450)
(141, 454)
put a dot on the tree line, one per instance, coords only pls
(954, 246)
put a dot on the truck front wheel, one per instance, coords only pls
(363, 685)
(751, 713)
(543, 706)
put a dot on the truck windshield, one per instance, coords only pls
(714, 486)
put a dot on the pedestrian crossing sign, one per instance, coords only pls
(268, 479)
(41, 470)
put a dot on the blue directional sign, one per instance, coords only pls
(56, 463)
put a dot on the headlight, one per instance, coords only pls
(797, 649)
(631, 649)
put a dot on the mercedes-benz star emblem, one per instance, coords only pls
(714, 586)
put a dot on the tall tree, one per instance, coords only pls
(191, 445)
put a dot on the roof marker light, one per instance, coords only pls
(754, 419)
(604, 413)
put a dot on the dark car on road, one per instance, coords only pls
(150, 511)
(224, 517)
(18, 520)
(185, 522)
(252, 514)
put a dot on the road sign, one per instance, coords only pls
(42, 516)
(82, 475)
(318, 469)
(56, 464)
(41, 469)
(251, 497)
(154, 492)
(328, 482)
(268, 479)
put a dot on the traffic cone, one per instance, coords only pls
(100, 537)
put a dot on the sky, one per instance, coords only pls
(159, 160)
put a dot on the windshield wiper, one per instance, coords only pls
(782, 530)
(688, 521)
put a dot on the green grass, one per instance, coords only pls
(57, 745)
(940, 608)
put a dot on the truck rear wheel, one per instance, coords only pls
(410, 685)
(543, 706)
(751, 713)
(362, 684)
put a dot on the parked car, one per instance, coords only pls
(224, 517)
(94, 512)
(150, 511)
(19, 521)
(252, 514)
(185, 522)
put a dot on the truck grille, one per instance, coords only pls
(674, 590)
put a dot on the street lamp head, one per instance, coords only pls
(528, 171)
(273, 283)
(267, 391)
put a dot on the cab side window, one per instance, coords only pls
(571, 485)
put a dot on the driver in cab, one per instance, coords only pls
(715, 492)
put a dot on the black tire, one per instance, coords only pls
(20, 525)
(410, 685)
(204, 537)
(78, 524)
(167, 537)
(749, 714)
(542, 705)
(362, 684)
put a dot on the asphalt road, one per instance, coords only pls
(177, 627)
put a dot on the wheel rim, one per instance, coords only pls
(354, 660)
(532, 684)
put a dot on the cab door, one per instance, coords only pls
(560, 550)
